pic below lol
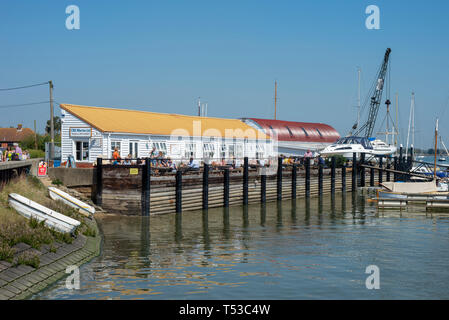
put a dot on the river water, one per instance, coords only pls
(303, 249)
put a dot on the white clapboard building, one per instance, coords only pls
(91, 132)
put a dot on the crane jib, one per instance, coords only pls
(367, 128)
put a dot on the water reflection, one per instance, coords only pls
(258, 252)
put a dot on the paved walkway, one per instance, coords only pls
(20, 282)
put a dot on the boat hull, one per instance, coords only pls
(82, 207)
(30, 209)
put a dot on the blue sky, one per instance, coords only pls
(161, 55)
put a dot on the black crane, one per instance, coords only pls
(366, 130)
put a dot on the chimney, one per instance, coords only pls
(19, 127)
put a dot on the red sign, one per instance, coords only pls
(42, 170)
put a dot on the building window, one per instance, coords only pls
(223, 151)
(231, 150)
(160, 147)
(208, 150)
(82, 151)
(115, 144)
(239, 151)
(190, 150)
(319, 133)
(134, 149)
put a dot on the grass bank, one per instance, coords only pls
(15, 229)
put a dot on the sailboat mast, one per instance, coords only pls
(436, 143)
(396, 125)
(413, 119)
(358, 97)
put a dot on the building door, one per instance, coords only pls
(82, 151)
(134, 149)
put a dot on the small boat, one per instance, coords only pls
(414, 191)
(441, 159)
(30, 209)
(82, 207)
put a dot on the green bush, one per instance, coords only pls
(28, 259)
(36, 153)
(56, 182)
(339, 161)
(6, 252)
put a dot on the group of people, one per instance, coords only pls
(301, 160)
(159, 160)
(13, 153)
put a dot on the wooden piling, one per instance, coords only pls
(362, 170)
(354, 171)
(343, 178)
(333, 175)
(226, 187)
(263, 188)
(320, 179)
(380, 169)
(371, 177)
(294, 175)
(178, 191)
(146, 173)
(279, 179)
(245, 180)
(388, 172)
(307, 167)
(99, 188)
(396, 168)
(206, 187)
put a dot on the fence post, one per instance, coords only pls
(206, 187)
(245, 180)
(333, 175)
(320, 178)
(371, 177)
(226, 188)
(178, 191)
(146, 188)
(343, 178)
(279, 179)
(380, 169)
(294, 181)
(307, 166)
(354, 171)
(362, 170)
(99, 189)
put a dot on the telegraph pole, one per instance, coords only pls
(52, 128)
(35, 135)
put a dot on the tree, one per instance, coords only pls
(57, 125)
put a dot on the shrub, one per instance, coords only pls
(6, 252)
(29, 259)
(56, 182)
(36, 153)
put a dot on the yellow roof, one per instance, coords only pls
(143, 122)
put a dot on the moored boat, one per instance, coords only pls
(30, 209)
(82, 207)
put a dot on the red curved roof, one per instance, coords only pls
(298, 131)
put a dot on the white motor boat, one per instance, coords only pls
(381, 148)
(30, 209)
(348, 145)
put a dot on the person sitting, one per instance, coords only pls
(127, 160)
(193, 164)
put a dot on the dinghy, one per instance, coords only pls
(82, 207)
(30, 209)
